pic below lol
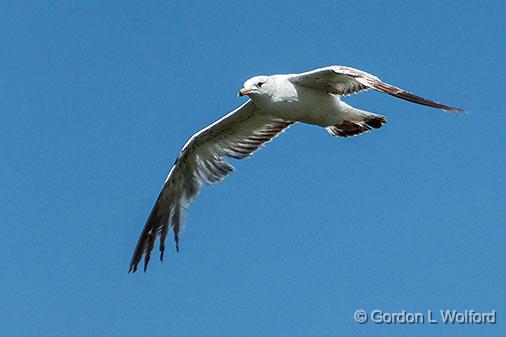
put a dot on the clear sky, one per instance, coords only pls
(97, 99)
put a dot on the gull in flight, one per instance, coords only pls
(275, 102)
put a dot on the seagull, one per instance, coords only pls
(275, 103)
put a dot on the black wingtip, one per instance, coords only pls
(146, 262)
(176, 239)
(453, 109)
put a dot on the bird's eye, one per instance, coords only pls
(259, 84)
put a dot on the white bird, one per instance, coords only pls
(275, 103)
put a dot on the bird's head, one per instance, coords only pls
(256, 85)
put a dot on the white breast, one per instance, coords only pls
(295, 103)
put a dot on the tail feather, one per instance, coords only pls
(375, 122)
(356, 122)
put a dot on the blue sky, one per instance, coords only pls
(97, 99)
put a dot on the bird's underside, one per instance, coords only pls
(243, 131)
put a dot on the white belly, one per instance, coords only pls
(304, 105)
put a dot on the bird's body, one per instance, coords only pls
(276, 102)
(295, 103)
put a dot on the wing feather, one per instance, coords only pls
(342, 81)
(237, 135)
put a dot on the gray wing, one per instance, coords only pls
(237, 135)
(342, 80)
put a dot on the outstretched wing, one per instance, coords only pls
(341, 80)
(237, 135)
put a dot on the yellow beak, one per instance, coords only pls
(244, 92)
